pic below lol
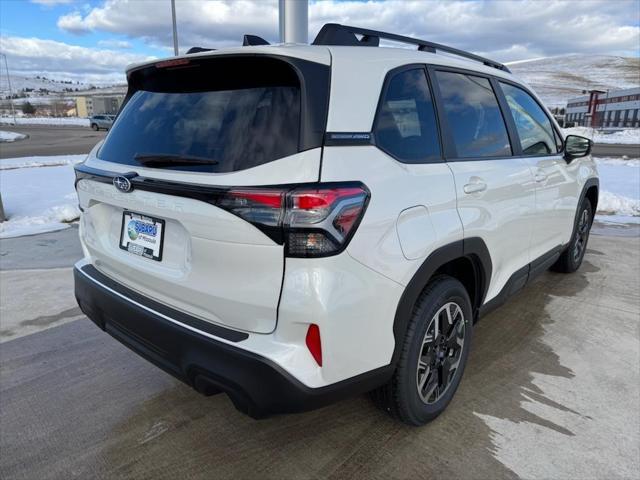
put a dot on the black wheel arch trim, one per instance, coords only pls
(473, 249)
(591, 182)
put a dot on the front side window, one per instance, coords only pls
(474, 116)
(406, 124)
(533, 126)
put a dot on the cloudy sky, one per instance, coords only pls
(94, 40)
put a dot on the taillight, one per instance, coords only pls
(320, 221)
(310, 221)
(256, 206)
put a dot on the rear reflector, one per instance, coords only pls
(313, 343)
(311, 222)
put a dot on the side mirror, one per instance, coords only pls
(576, 147)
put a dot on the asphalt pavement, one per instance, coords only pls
(609, 150)
(50, 140)
(551, 391)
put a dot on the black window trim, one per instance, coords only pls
(556, 133)
(450, 151)
(383, 93)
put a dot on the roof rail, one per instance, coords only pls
(253, 40)
(336, 34)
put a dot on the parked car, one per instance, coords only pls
(101, 121)
(304, 223)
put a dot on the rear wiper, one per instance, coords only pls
(163, 159)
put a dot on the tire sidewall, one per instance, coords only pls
(586, 205)
(448, 291)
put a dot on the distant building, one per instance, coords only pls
(88, 105)
(613, 109)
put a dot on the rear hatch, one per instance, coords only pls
(177, 200)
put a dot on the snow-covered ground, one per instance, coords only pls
(628, 136)
(6, 137)
(619, 199)
(83, 122)
(22, 162)
(38, 193)
(38, 200)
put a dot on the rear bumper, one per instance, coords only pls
(189, 349)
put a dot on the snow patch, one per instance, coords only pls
(623, 161)
(628, 136)
(38, 200)
(6, 137)
(619, 199)
(82, 122)
(30, 162)
(613, 204)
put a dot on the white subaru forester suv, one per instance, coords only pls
(292, 224)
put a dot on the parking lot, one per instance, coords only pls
(551, 390)
(50, 140)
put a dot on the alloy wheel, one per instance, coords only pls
(440, 352)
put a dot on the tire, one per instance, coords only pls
(571, 258)
(94, 127)
(402, 397)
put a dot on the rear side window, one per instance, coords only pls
(217, 116)
(473, 115)
(533, 126)
(406, 124)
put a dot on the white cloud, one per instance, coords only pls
(502, 30)
(122, 44)
(34, 56)
(506, 30)
(73, 23)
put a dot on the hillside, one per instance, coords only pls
(21, 83)
(34, 87)
(557, 79)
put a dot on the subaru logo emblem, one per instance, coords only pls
(122, 183)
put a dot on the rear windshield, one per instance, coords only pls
(219, 115)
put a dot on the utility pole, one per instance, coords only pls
(13, 111)
(294, 21)
(175, 28)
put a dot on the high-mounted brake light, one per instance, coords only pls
(311, 222)
(172, 63)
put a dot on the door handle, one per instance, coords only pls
(541, 177)
(475, 187)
